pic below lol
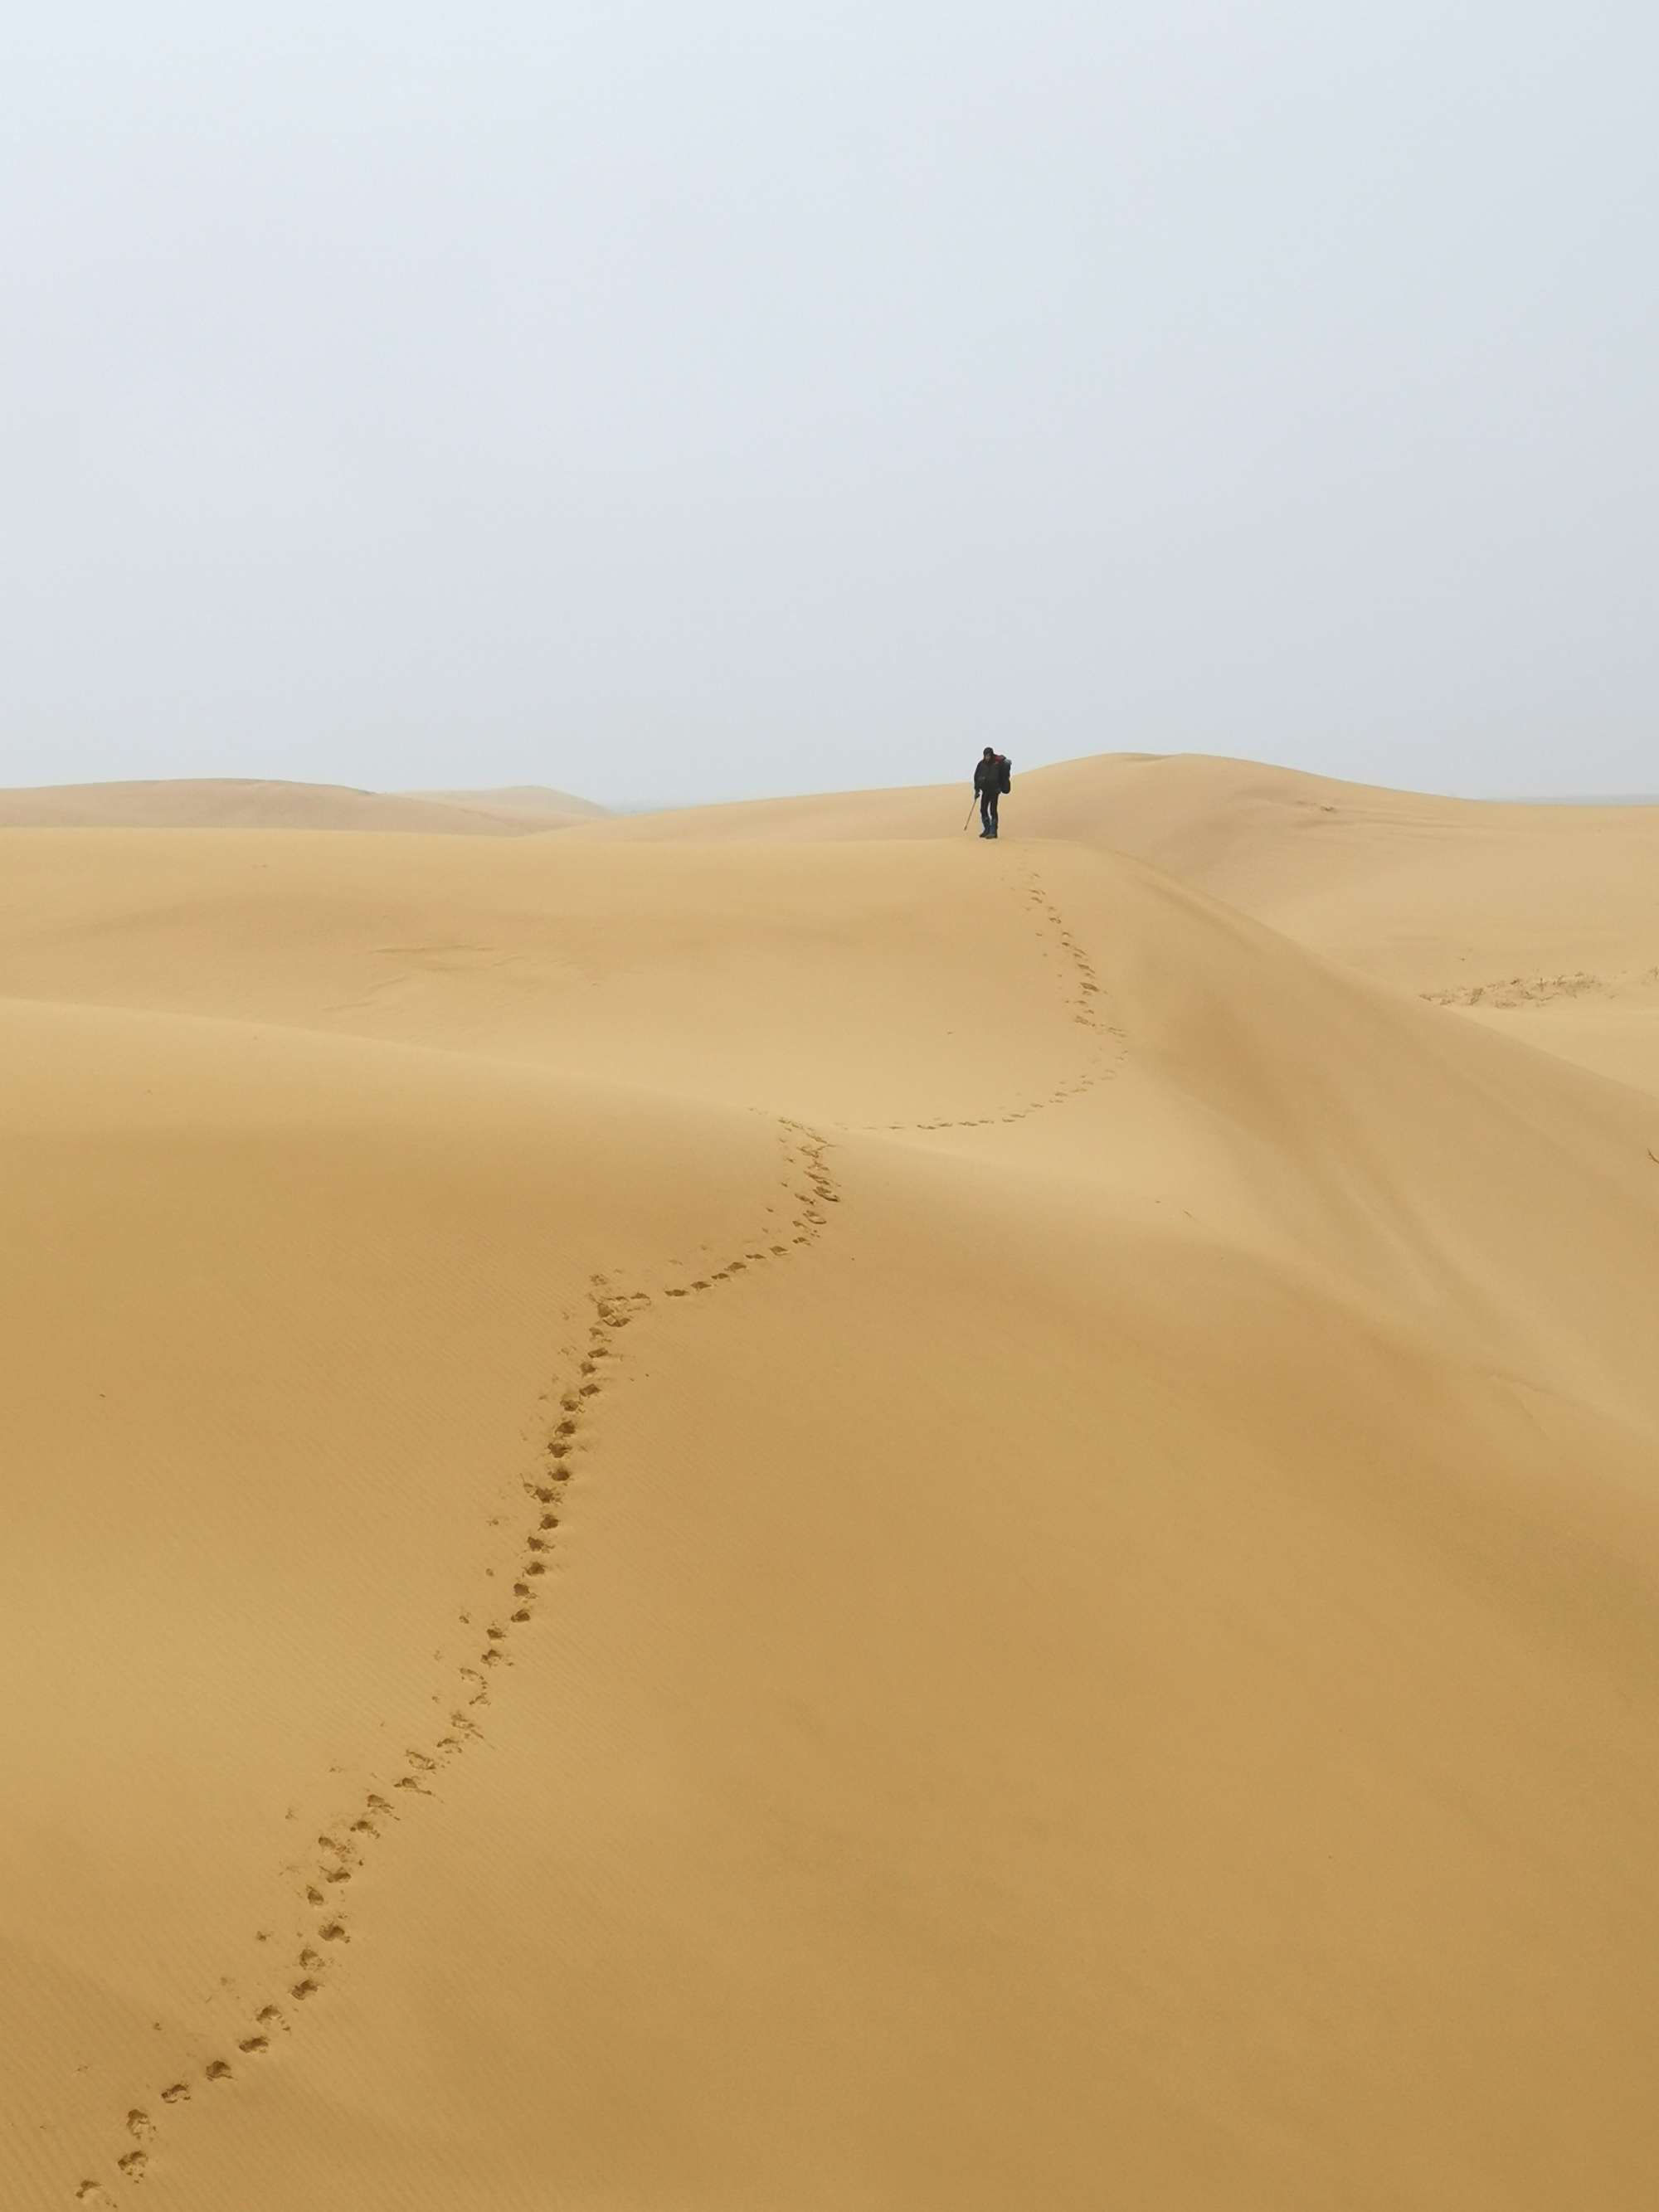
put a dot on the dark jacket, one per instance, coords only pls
(988, 775)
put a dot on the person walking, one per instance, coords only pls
(990, 781)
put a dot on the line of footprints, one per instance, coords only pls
(342, 1850)
(1083, 997)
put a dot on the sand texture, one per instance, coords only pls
(767, 1512)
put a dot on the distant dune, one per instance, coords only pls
(238, 804)
(539, 805)
(770, 1509)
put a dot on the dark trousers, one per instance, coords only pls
(988, 813)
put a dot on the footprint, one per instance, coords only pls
(219, 2070)
(270, 2016)
(133, 2163)
(252, 2045)
(141, 2127)
(301, 1990)
(333, 1933)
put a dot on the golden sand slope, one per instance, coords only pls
(810, 1525)
(246, 803)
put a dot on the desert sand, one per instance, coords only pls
(761, 1511)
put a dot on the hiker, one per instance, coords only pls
(990, 781)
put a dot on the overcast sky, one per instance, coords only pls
(661, 399)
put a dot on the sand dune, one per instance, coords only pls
(245, 803)
(1440, 895)
(826, 1518)
(1410, 886)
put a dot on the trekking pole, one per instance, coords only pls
(972, 804)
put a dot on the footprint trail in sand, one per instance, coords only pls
(345, 1849)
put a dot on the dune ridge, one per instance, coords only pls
(1440, 895)
(821, 1520)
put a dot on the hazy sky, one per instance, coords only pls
(669, 397)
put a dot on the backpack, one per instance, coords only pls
(1004, 772)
